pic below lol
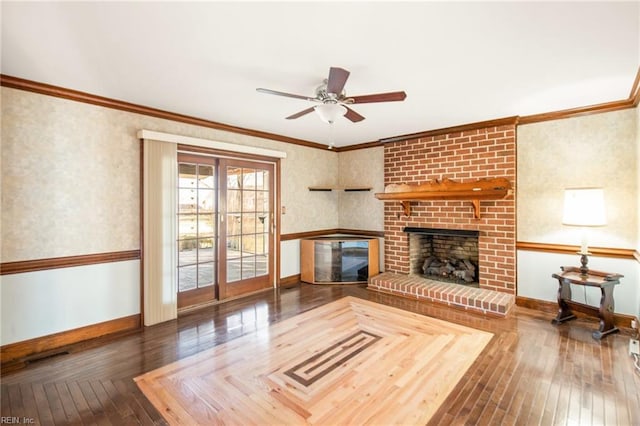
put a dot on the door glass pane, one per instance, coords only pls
(248, 267)
(205, 250)
(248, 244)
(262, 220)
(187, 201)
(262, 265)
(234, 176)
(234, 201)
(233, 247)
(206, 178)
(197, 226)
(187, 175)
(248, 201)
(205, 274)
(206, 225)
(261, 241)
(187, 226)
(248, 179)
(206, 200)
(248, 223)
(262, 201)
(187, 252)
(187, 277)
(262, 180)
(233, 270)
(234, 225)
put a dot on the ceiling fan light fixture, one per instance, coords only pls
(330, 111)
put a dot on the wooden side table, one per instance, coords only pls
(603, 280)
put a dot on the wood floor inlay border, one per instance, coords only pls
(351, 361)
(308, 372)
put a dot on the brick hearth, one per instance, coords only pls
(487, 152)
(470, 298)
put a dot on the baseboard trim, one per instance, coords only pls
(45, 346)
(620, 320)
(289, 281)
(22, 266)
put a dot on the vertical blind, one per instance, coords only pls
(159, 229)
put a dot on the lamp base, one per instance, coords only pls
(584, 260)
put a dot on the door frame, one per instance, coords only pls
(277, 185)
(249, 285)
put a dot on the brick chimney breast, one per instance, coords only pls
(488, 152)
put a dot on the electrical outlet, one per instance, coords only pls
(634, 347)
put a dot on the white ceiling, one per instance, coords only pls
(458, 62)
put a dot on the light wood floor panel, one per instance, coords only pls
(347, 362)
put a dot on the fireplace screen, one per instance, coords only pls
(444, 254)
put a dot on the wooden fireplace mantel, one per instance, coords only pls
(446, 189)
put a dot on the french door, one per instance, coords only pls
(246, 191)
(225, 228)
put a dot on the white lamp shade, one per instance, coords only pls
(329, 112)
(584, 207)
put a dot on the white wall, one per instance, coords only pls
(289, 258)
(40, 303)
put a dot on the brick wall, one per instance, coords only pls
(462, 156)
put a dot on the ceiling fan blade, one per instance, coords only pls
(300, 114)
(288, 95)
(378, 97)
(352, 115)
(337, 79)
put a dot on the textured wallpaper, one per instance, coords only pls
(594, 150)
(361, 210)
(71, 177)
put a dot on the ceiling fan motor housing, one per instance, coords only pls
(325, 97)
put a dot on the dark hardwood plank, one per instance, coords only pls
(68, 405)
(51, 392)
(83, 409)
(44, 414)
(530, 373)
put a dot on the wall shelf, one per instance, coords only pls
(334, 188)
(446, 189)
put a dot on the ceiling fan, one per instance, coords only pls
(332, 98)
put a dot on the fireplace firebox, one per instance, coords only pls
(449, 255)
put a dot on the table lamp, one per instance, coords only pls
(584, 207)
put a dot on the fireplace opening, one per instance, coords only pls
(448, 255)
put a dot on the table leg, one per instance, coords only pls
(606, 313)
(564, 311)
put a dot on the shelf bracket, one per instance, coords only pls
(406, 207)
(476, 209)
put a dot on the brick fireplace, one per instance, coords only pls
(478, 153)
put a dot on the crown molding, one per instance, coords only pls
(507, 121)
(75, 95)
(46, 89)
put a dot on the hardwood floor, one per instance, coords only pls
(350, 361)
(531, 372)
